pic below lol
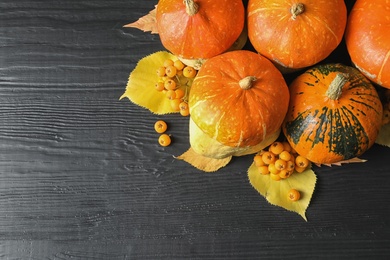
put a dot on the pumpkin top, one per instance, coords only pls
(334, 113)
(368, 41)
(238, 98)
(296, 34)
(194, 29)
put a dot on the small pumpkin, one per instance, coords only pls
(237, 102)
(368, 40)
(296, 33)
(335, 114)
(199, 29)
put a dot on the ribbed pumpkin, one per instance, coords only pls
(334, 114)
(238, 101)
(296, 33)
(199, 29)
(368, 39)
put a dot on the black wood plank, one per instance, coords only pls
(82, 175)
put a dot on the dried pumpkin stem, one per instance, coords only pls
(297, 9)
(191, 7)
(335, 88)
(246, 83)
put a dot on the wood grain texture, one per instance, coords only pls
(82, 175)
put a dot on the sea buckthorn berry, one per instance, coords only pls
(170, 84)
(170, 71)
(280, 164)
(301, 161)
(258, 160)
(275, 177)
(294, 195)
(168, 62)
(263, 169)
(178, 64)
(170, 94)
(164, 140)
(272, 169)
(159, 86)
(299, 169)
(175, 104)
(290, 166)
(189, 72)
(179, 93)
(284, 174)
(184, 109)
(286, 156)
(268, 157)
(160, 126)
(160, 72)
(276, 148)
(286, 146)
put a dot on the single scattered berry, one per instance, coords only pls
(294, 195)
(164, 140)
(160, 126)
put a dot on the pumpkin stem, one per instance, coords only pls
(297, 9)
(191, 7)
(246, 83)
(336, 86)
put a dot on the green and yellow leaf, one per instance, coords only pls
(384, 136)
(203, 163)
(275, 192)
(140, 87)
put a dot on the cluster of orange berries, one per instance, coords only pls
(161, 127)
(280, 161)
(175, 79)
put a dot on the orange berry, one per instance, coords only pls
(276, 148)
(159, 86)
(170, 94)
(275, 177)
(286, 156)
(280, 164)
(179, 93)
(301, 161)
(170, 84)
(294, 195)
(189, 72)
(286, 146)
(263, 169)
(178, 64)
(160, 126)
(175, 104)
(164, 140)
(258, 160)
(168, 62)
(268, 157)
(160, 72)
(272, 169)
(184, 108)
(290, 166)
(170, 71)
(299, 169)
(284, 174)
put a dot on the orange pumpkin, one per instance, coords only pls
(238, 99)
(335, 114)
(368, 39)
(296, 33)
(199, 29)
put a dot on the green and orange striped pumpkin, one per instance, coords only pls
(334, 114)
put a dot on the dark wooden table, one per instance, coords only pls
(82, 175)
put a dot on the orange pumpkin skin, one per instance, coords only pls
(230, 114)
(292, 40)
(326, 130)
(368, 40)
(211, 31)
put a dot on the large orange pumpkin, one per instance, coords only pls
(368, 39)
(334, 114)
(199, 29)
(296, 33)
(239, 99)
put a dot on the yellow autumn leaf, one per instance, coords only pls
(384, 136)
(146, 23)
(203, 163)
(275, 192)
(140, 87)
